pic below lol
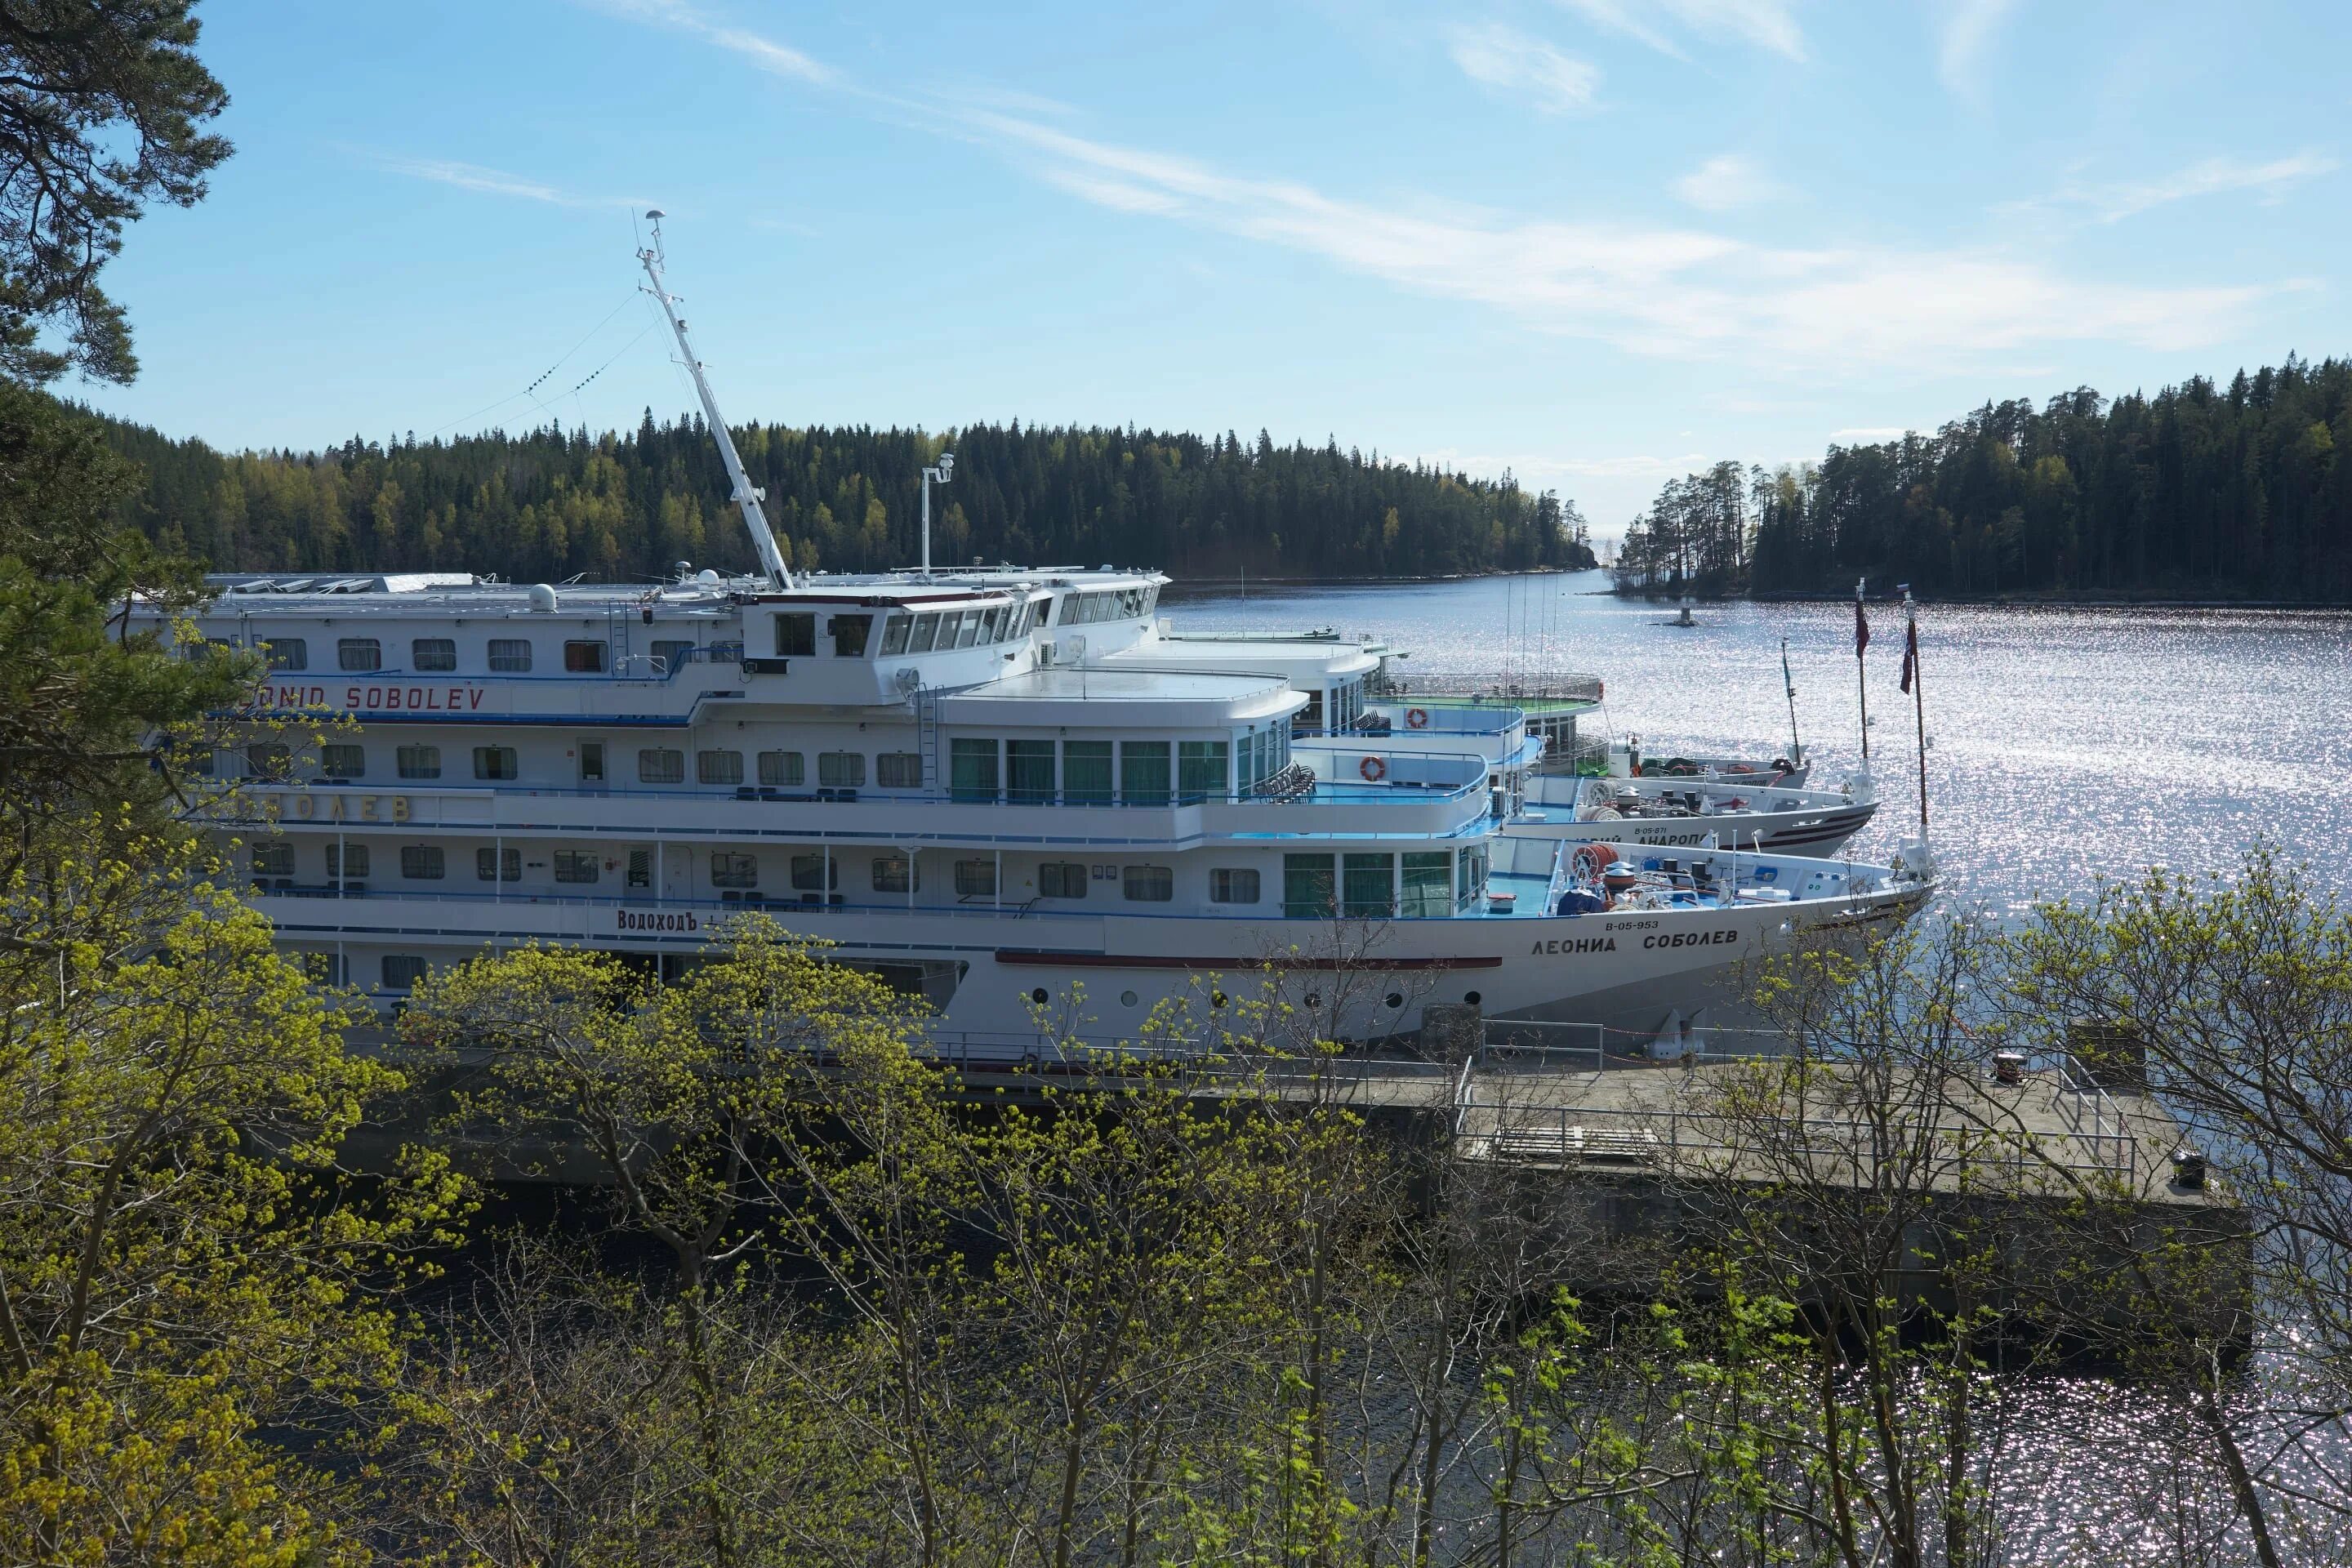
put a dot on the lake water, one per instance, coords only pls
(2065, 744)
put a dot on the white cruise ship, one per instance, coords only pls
(1015, 792)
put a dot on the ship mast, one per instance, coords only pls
(747, 496)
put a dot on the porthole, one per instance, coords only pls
(1395, 999)
(1315, 998)
(1216, 998)
(1472, 997)
(1127, 998)
(1038, 996)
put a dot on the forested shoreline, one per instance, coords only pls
(552, 504)
(2201, 491)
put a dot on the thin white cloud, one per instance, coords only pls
(1727, 181)
(766, 53)
(2207, 177)
(1766, 25)
(490, 182)
(1508, 61)
(1868, 435)
(1963, 40)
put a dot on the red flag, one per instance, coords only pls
(1910, 655)
(1860, 627)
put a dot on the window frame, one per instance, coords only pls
(430, 863)
(503, 662)
(705, 773)
(513, 761)
(1225, 883)
(664, 772)
(432, 655)
(1147, 884)
(368, 648)
(567, 865)
(410, 760)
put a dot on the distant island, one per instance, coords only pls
(2200, 493)
(549, 504)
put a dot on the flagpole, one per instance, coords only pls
(1918, 699)
(1861, 686)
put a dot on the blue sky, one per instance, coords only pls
(1599, 242)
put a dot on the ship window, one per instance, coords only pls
(1370, 887)
(971, 768)
(1085, 772)
(1201, 768)
(576, 865)
(782, 768)
(498, 865)
(841, 770)
(359, 653)
(1307, 886)
(323, 968)
(967, 629)
(1149, 884)
(1309, 719)
(719, 767)
(195, 761)
(289, 653)
(1428, 883)
(660, 765)
(814, 874)
(796, 636)
(726, 653)
(894, 874)
(641, 868)
(1233, 885)
(583, 657)
(926, 629)
(273, 859)
(347, 860)
(898, 769)
(1143, 772)
(418, 761)
(731, 869)
(975, 879)
(993, 626)
(342, 761)
(402, 971)
(670, 656)
(268, 760)
(850, 635)
(497, 763)
(894, 635)
(510, 656)
(1029, 772)
(1473, 881)
(430, 656)
(423, 862)
(1061, 879)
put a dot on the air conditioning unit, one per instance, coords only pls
(1046, 652)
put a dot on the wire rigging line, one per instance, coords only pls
(551, 369)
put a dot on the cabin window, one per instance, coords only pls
(196, 762)
(402, 970)
(993, 629)
(975, 879)
(423, 862)
(418, 761)
(670, 657)
(1085, 772)
(323, 968)
(1428, 883)
(344, 761)
(894, 874)
(1201, 768)
(796, 636)
(815, 874)
(894, 635)
(584, 657)
(660, 765)
(719, 767)
(577, 864)
(1149, 884)
(1370, 886)
(1308, 886)
(971, 768)
(925, 632)
(510, 656)
(276, 859)
(1233, 885)
(782, 768)
(898, 769)
(359, 653)
(967, 629)
(841, 770)
(347, 861)
(498, 865)
(1309, 719)
(641, 868)
(1143, 772)
(1473, 874)
(850, 635)
(1029, 772)
(430, 656)
(1061, 879)
(268, 760)
(289, 653)
(731, 869)
(497, 763)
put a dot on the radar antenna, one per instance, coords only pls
(747, 496)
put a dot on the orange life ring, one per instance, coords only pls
(1416, 717)
(1373, 769)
